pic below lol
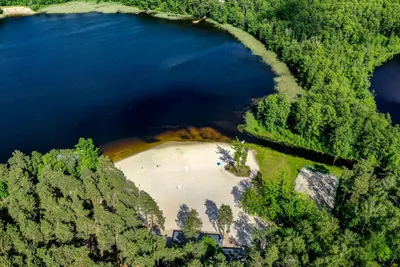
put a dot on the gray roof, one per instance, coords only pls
(178, 237)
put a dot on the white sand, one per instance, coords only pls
(17, 11)
(193, 167)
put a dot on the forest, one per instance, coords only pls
(75, 208)
(332, 48)
(362, 230)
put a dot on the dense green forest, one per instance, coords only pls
(362, 230)
(74, 208)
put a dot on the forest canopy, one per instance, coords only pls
(362, 230)
(75, 208)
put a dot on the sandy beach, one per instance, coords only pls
(184, 175)
(17, 11)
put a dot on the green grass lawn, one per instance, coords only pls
(274, 164)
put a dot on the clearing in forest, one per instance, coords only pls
(320, 186)
(185, 175)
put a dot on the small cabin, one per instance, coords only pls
(231, 253)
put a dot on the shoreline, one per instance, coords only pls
(16, 11)
(124, 148)
(285, 82)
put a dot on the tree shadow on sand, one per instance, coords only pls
(211, 212)
(244, 229)
(225, 155)
(324, 188)
(182, 215)
(238, 190)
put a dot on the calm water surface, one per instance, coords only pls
(386, 84)
(111, 77)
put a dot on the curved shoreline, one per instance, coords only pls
(285, 82)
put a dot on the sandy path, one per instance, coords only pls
(203, 184)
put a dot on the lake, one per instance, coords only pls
(120, 77)
(386, 84)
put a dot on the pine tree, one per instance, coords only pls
(192, 225)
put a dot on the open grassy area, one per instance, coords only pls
(285, 82)
(274, 164)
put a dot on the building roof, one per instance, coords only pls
(230, 253)
(178, 237)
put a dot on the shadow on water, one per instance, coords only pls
(130, 146)
(125, 148)
(388, 101)
(189, 104)
(127, 103)
(137, 77)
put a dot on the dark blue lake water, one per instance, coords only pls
(386, 84)
(111, 77)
